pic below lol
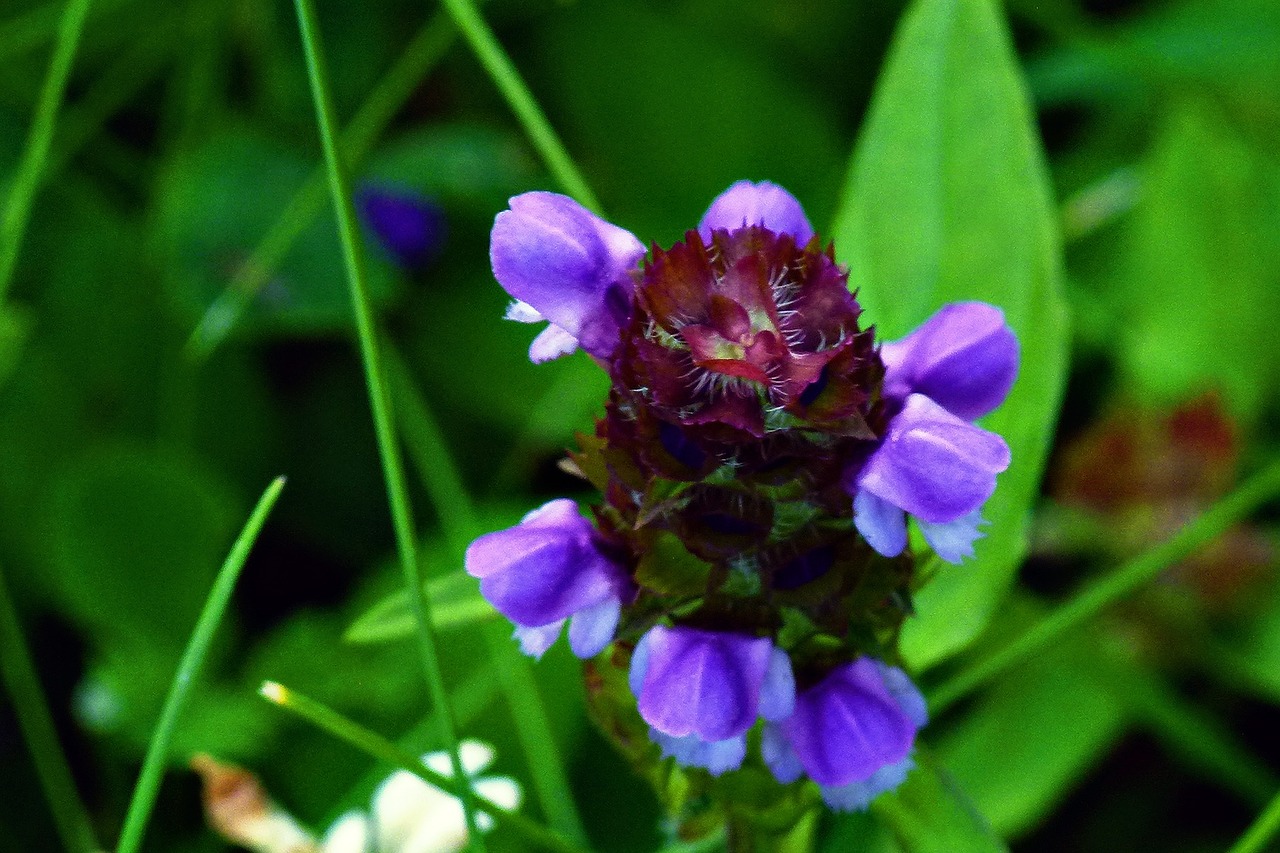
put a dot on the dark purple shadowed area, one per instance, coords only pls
(408, 225)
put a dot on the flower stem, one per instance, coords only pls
(458, 519)
(70, 817)
(30, 170)
(381, 749)
(426, 49)
(380, 401)
(520, 99)
(1126, 579)
(153, 766)
(1257, 837)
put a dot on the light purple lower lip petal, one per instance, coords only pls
(591, 630)
(882, 524)
(953, 540)
(765, 204)
(534, 642)
(933, 464)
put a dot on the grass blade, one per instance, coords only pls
(31, 165)
(144, 793)
(381, 749)
(1127, 578)
(380, 400)
(443, 484)
(1258, 836)
(520, 99)
(69, 814)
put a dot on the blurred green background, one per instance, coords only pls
(144, 405)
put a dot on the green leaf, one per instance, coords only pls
(213, 206)
(1065, 720)
(930, 814)
(455, 602)
(14, 326)
(1198, 280)
(948, 200)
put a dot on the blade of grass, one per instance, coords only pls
(520, 99)
(381, 749)
(70, 817)
(1094, 598)
(380, 401)
(458, 519)
(31, 164)
(1257, 837)
(153, 766)
(427, 48)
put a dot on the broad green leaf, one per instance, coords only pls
(1065, 720)
(948, 200)
(455, 602)
(1199, 280)
(215, 203)
(930, 814)
(14, 326)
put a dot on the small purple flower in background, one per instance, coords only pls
(852, 733)
(757, 458)
(700, 691)
(551, 567)
(409, 226)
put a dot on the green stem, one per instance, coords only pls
(443, 484)
(381, 749)
(520, 99)
(69, 814)
(31, 166)
(426, 49)
(1258, 836)
(380, 401)
(153, 766)
(1115, 586)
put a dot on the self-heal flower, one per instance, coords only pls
(852, 733)
(700, 691)
(550, 568)
(564, 264)
(765, 204)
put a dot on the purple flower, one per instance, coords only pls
(564, 264)
(409, 226)
(700, 691)
(937, 467)
(549, 568)
(765, 204)
(852, 733)
(964, 358)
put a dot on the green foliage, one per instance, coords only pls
(931, 814)
(948, 200)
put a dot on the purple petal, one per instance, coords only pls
(882, 524)
(953, 540)
(534, 641)
(567, 263)
(522, 312)
(639, 665)
(778, 755)
(933, 464)
(551, 342)
(703, 682)
(409, 226)
(546, 568)
(848, 726)
(778, 692)
(905, 693)
(964, 358)
(715, 757)
(591, 630)
(857, 796)
(765, 204)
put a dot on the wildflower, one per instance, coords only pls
(757, 458)
(852, 732)
(701, 691)
(410, 227)
(564, 264)
(549, 568)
